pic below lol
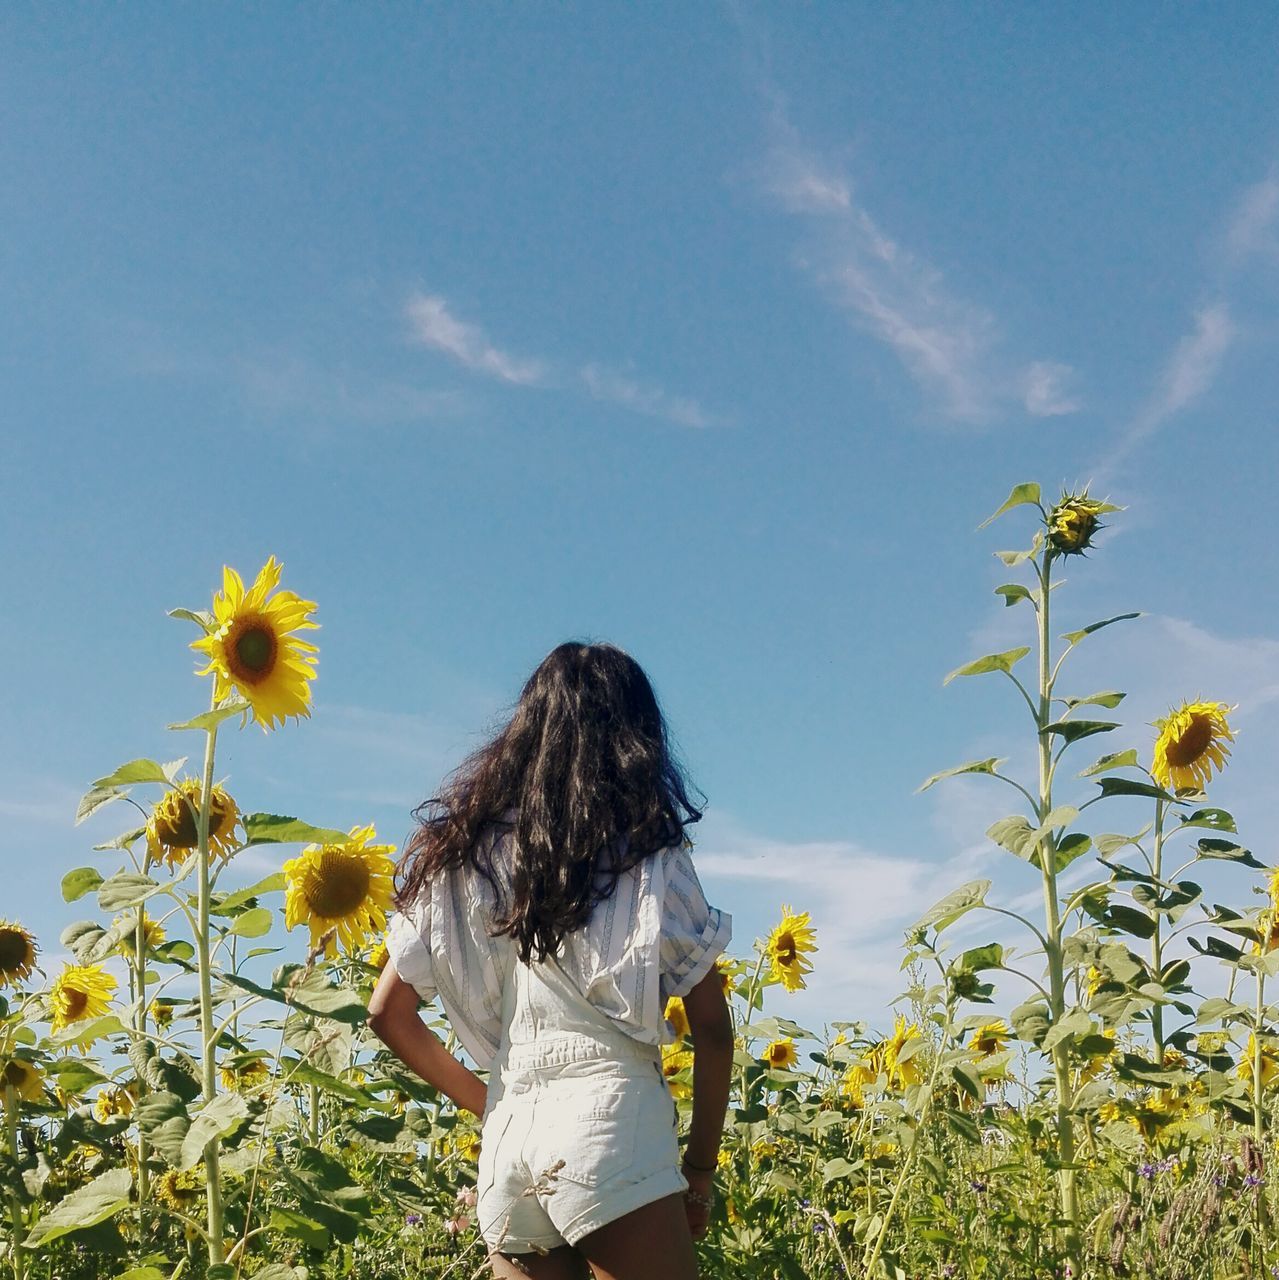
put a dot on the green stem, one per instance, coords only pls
(1257, 1123)
(1156, 938)
(208, 1032)
(140, 1021)
(313, 1117)
(15, 1208)
(1053, 948)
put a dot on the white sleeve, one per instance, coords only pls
(408, 945)
(693, 932)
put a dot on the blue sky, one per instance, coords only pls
(713, 331)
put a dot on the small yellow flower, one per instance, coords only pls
(841, 1038)
(81, 992)
(725, 977)
(244, 1076)
(989, 1039)
(781, 1053)
(763, 1149)
(1210, 1042)
(25, 1078)
(1268, 929)
(1093, 981)
(1191, 743)
(1109, 1111)
(255, 650)
(677, 1016)
(17, 953)
(788, 948)
(1095, 1065)
(171, 828)
(342, 887)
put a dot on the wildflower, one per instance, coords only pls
(1190, 744)
(989, 1039)
(24, 1078)
(457, 1224)
(341, 889)
(677, 1017)
(17, 953)
(171, 828)
(255, 648)
(1073, 522)
(466, 1197)
(412, 1219)
(977, 1185)
(781, 1054)
(788, 948)
(80, 992)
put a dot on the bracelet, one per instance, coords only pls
(706, 1202)
(697, 1168)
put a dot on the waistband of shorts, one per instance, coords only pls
(554, 1051)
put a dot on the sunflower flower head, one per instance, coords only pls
(379, 955)
(81, 991)
(1272, 888)
(23, 1077)
(989, 1039)
(1269, 1062)
(893, 1058)
(675, 1061)
(781, 1054)
(788, 948)
(677, 1016)
(343, 890)
(1073, 522)
(153, 934)
(180, 1189)
(1191, 743)
(1267, 932)
(171, 828)
(244, 1076)
(117, 1100)
(254, 647)
(17, 953)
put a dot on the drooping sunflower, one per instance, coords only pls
(1268, 932)
(677, 1016)
(24, 1078)
(81, 991)
(255, 649)
(171, 828)
(788, 948)
(854, 1082)
(344, 888)
(1191, 742)
(161, 1012)
(180, 1189)
(1269, 1062)
(245, 1076)
(117, 1100)
(725, 969)
(1073, 522)
(989, 1039)
(781, 1053)
(17, 953)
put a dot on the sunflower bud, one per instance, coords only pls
(1073, 522)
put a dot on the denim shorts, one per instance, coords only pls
(575, 1139)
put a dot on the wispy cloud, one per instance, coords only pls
(435, 326)
(619, 388)
(1253, 227)
(949, 345)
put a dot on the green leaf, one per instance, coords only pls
(1073, 1025)
(140, 771)
(85, 1032)
(219, 1119)
(1069, 847)
(1074, 637)
(1131, 787)
(1214, 819)
(991, 956)
(75, 1075)
(838, 1168)
(122, 841)
(1020, 495)
(991, 662)
(1030, 1021)
(211, 719)
(234, 901)
(163, 1118)
(272, 828)
(291, 1223)
(94, 800)
(1074, 730)
(1108, 698)
(1128, 920)
(1209, 848)
(1012, 592)
(126, 889)
(144, 1273)
(199, 617)
(252, 924)
(965, 1075)
(305, 1073)
(953, 905)
(973, 766)
(75, 884)
(1013, 833)
(313, 995)
(1115, 760)
(104, 1197)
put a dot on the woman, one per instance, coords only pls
(549, 898)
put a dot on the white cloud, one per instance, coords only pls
(1253, 229)
(1045, 384)
(617, 388)
(433, 325)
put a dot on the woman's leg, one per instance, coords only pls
(649, 1243)
(564, 1263)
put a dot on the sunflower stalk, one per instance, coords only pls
(15, 1203)
(208, 1032)
(1156, 938)
(1258, 1079)
(140, 1021)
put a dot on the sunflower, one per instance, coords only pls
(17, 953)
(854, 1082)
(115, 1101)
(788, 948)
(1094, 980)
(1269, 1062)
(161, 1012)
(244, 1077)
(1191, 742)
(152, 934)
(180, 1189)
(675, 1060)
(989, 1039)
(781, 1053)
(725, 977)
(81, 991)
(677, 1016)
(24, 1078)
(1073, 522)
(379, 956)
(764, 1149)
(1272, 887)
(254, 647)
(171, 828)
(887, 1056)
(343, 889)
(1093, 1066)
(466, 1143)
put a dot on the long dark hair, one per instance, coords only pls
(585, 762)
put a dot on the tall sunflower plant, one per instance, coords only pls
(194, 1086)
(1105, 944)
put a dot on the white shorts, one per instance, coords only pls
(573, 1142)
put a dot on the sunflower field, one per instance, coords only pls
(1074, 1105)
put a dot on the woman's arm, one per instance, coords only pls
(394, 1019)
(711, 1026)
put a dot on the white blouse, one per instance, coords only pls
(656, 924)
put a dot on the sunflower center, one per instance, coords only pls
(338, 886)
(1191, 743)
(74, 1002)
(250, 650)
(13, 1073)
(13, 950)
(786, 949)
